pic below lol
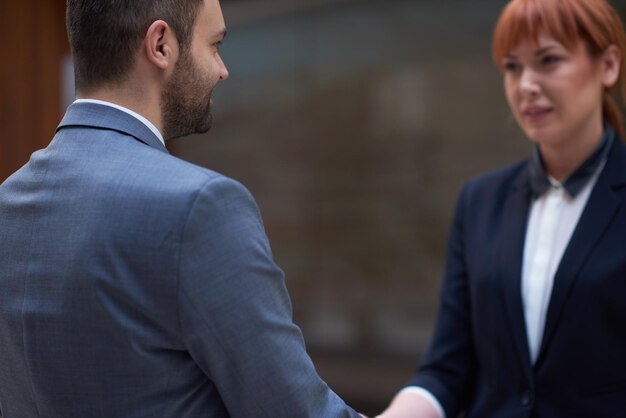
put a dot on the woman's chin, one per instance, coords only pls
(539, 135)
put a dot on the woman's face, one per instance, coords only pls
(554, 93)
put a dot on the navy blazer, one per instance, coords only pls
(134, 284)
(479, 359)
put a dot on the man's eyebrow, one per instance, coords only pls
(221, 34)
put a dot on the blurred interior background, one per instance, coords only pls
(354, 124)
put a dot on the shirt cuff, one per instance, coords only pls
(428, 396)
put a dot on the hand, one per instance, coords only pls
(409, 405)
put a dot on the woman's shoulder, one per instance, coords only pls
(496, 180)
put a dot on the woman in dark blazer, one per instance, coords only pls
(532, 317)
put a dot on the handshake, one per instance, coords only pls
(412, 402)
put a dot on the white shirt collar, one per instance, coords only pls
(126, 110)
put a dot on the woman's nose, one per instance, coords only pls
(529, 82)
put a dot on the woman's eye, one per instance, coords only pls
(510, 66)
(550, 59)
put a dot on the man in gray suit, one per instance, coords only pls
(134, 284)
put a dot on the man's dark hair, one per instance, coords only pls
(105, 34)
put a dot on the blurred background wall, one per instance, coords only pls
(354, 123)
(33, 45)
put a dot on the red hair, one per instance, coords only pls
(594, 22)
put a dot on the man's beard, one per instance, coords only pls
(185, 104)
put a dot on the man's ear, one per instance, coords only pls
(161, 45)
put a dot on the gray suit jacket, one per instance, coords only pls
(134, 284)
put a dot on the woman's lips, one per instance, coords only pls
(536, 113)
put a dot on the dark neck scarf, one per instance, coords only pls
(539, 181)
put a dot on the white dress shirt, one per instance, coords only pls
(126, 110)
(553, 218)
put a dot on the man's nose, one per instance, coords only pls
(223, 69)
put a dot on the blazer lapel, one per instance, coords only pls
(595, 220)
(513, 233)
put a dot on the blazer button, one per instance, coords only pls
(525, 398)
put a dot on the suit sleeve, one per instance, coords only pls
(448, 368)
(235, 313)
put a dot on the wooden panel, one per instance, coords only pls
(29, 77)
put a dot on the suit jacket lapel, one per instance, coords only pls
(596, 218)
(105, 117)
(511, 253)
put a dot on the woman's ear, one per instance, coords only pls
(610, 61)
(161, 45)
